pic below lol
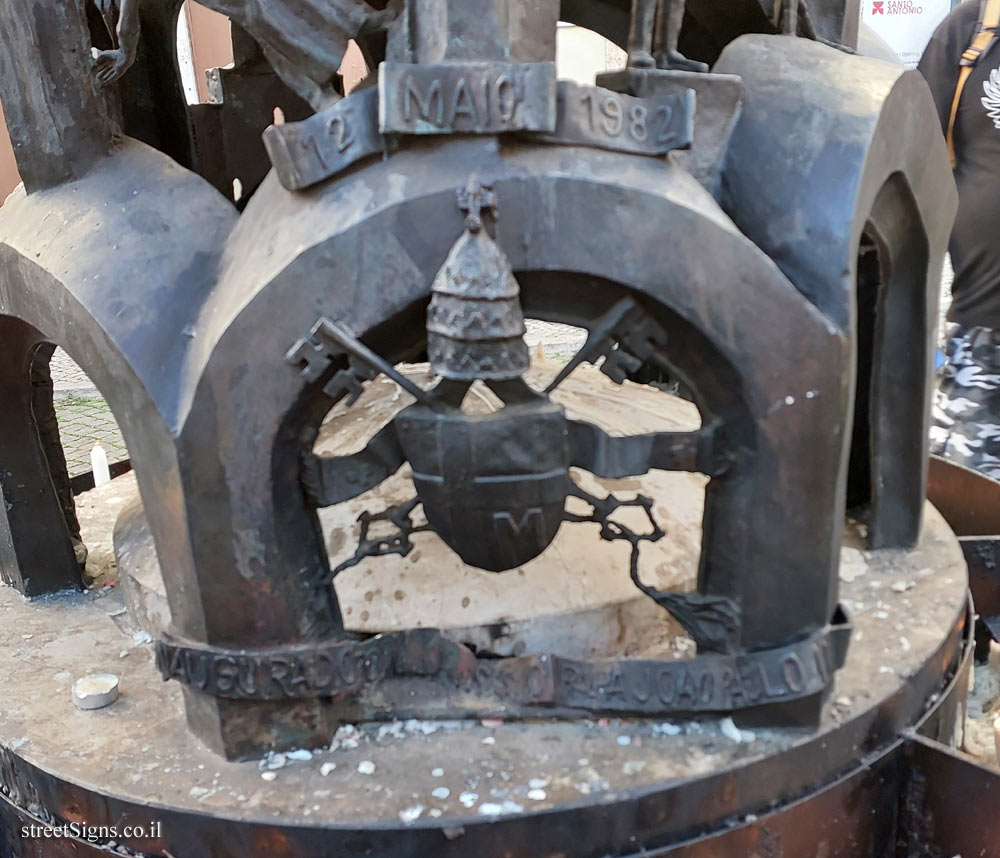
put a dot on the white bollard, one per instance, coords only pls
(99, 464)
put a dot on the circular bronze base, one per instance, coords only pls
(533, 789)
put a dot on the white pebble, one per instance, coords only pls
(301, 755)
(537, 794)
(541, 783)
(277, 761)
(366, 767)
(844, 702)
(624, 740)
(435, 812)
(489, 740)
(411, 814)
(326, 768)
(468, 798)
(441, 793)
(491, 809)
(268, 776)
(437, 773)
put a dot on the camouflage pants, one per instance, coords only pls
(965, 426)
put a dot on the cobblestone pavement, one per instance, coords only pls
(559, 341)
(68, 378)
(84, 417)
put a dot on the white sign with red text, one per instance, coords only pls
(905, 25)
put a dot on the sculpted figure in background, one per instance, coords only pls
(653, 36)
(304, 40)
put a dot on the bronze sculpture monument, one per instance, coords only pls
(304, 40)
(757, 232)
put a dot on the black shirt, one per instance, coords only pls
(975, 240)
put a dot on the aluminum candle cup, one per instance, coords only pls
(95, 691)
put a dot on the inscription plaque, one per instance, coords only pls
(467, 98)
(308, 152)
(708, 683)
(592, 116)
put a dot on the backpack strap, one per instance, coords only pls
(985, 35)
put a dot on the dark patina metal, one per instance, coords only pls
(767, 235)
(192, 364)
(532, 686)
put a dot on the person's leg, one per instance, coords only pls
(965, 425)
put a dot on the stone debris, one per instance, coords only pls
(624, 741)
(539, 783)
(326, 768)
(903, 586)
(441, 793)
(269, 776)
(346, 738)
(349, 736)
(366, 767)
(852, 564)
(468, 799)
(667, 729)
(493, 809)
(593, 783)
(981, 739)
(301, 755)
(489, 740)
(411, 814)
(844, 702)
(396, 730)
(273, 761)
(437, 773)
(537, 794)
